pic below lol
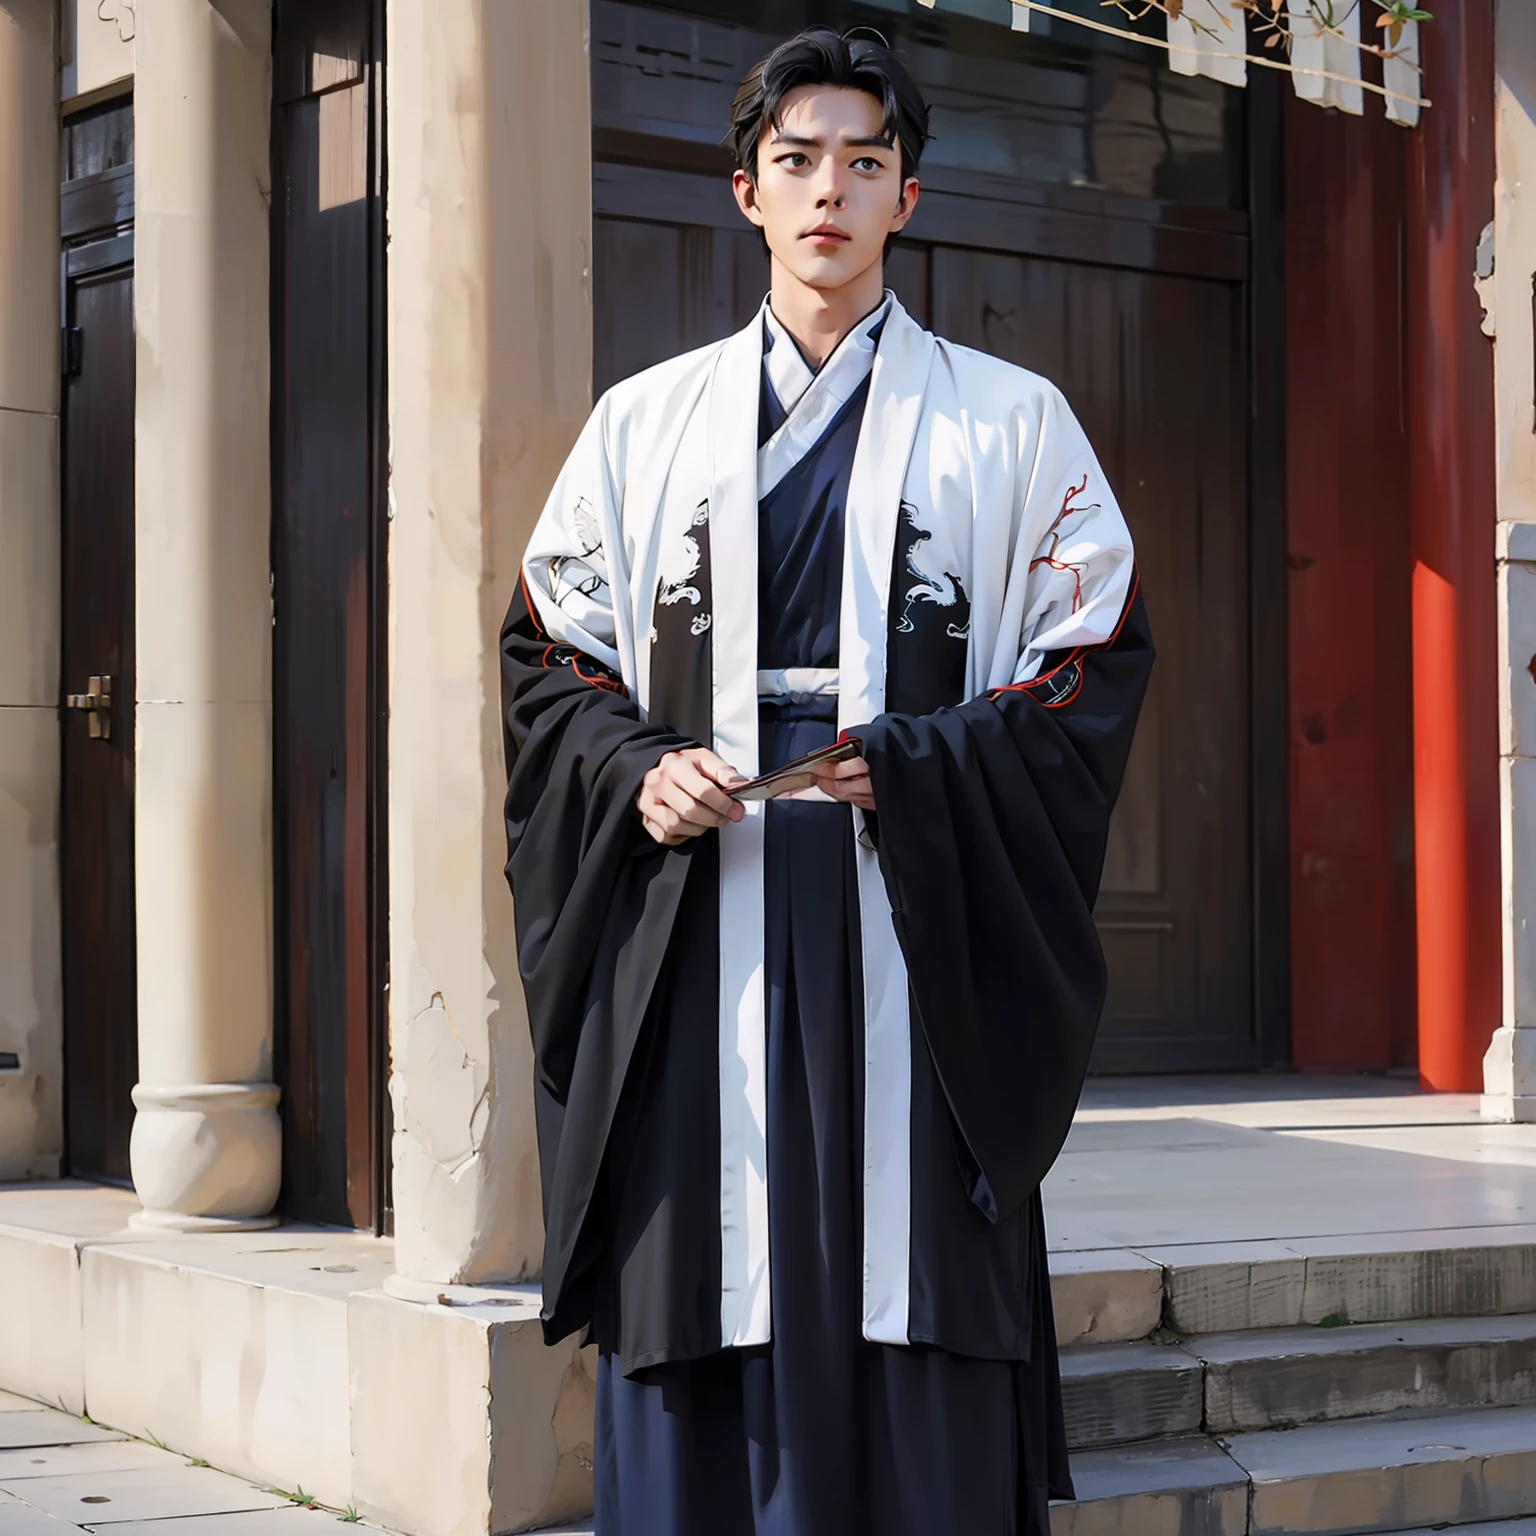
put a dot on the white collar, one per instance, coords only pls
(788, 371)
(811, 400)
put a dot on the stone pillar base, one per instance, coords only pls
(174, 1221)
(430, 1292)
(1509, 1076)
(206, 1156)
(1516, 1109)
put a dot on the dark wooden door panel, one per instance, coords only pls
(1155, 367)
(100, 1002)
(328, 649)
(661, 289)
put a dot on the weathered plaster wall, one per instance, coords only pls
(1509, 1069)
(490, 358)
(31, 1005)
(95, 44)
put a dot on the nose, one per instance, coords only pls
(829, 191)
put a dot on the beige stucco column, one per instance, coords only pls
(490, 381)
(1509, 1068)
(206, 1143)
(31, 1009)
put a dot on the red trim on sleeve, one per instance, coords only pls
(1076, 655)
(612, 685)
(533, 613)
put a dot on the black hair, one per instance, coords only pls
(858, 59)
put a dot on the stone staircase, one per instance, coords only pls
(1329, 1393)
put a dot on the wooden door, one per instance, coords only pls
(97, 547)
(1083, 214)
(328, 584)
(1155, 366)
(96, 810)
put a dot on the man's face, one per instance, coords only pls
(829, 188)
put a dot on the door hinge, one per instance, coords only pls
(96, 701)
(69, 351)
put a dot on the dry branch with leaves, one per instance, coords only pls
(1276, 20)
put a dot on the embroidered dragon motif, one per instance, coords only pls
(676, 583)
(934, 584)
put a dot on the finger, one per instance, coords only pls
(845, 789)
(677, 799)
(662, 836)
(714, 767)
(694, 781)
(650, 806)
(853, 768)
(683, 827)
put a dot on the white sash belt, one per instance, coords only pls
(798, 684)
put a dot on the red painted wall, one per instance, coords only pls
(1349, 614)
(1453, 488)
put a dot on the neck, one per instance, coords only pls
(819, 318)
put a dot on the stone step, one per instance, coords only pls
(1117, 1394)
(1228, 1383)
(1187, 1487)
(1119, 1295)
(1291, 1376)
(1390, 1474)
(1394, 1474)
(1381, 1278)
(1405, 1473)
(1525, 1527)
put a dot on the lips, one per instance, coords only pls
(829, 234)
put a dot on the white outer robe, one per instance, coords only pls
(990, 463)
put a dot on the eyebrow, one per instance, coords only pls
(873, 141)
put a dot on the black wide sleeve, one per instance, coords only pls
(993, 819)
(595, 900)
(578, 861)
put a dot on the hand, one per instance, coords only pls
(847, 781)
(681, 796)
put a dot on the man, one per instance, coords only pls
(802, 1065)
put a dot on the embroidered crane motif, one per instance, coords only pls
(934, 584)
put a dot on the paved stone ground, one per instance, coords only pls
(59, 1475)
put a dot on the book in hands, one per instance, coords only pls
(796, 775)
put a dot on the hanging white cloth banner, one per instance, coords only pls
(1334, 50)
(1020, 13)
(1209, 38)
(1401, 74)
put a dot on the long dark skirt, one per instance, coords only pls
(821, 1433)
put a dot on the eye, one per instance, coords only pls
(868, 163)
(792, 160)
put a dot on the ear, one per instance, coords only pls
(906, 204)
(746, 197)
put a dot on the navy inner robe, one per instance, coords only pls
(819, 1433)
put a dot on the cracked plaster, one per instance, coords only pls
(489, 256)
